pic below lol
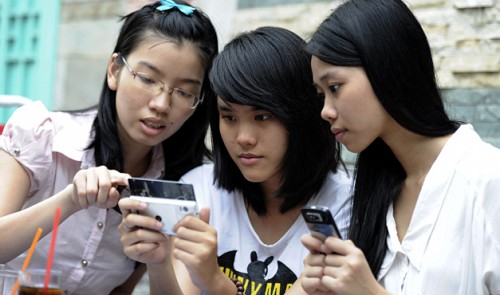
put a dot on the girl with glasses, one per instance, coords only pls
(426, 199)
(77, 160)
(273, 155)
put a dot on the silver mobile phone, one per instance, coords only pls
(168, 201)
(320, 222)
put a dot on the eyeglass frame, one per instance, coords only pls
(170, 90)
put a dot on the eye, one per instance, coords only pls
(227, 117)
(145, 79)
(263, 117)
(183, 93)
(334, 87)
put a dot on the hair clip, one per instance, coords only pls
(169, 4)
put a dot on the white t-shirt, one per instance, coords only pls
(452, 245)
(264, 269)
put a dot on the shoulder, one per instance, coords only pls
(338, 183)
(200, 173)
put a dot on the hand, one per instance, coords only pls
(195, 245)
(346, 270)
(141, 237)
(314, 264)
(97, 187)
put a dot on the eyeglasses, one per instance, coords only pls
(156, 87)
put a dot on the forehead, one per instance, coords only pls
(235, 107)
(169, 56)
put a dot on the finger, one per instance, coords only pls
(315, 259)
(311, 243)
(334, 260)
(80, 189)
(205, 214)
(92, 187)
(104, 186)
(338, 246)
(113, 198)
(118, 178)
(128, 205)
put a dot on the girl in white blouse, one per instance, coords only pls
(427, 194)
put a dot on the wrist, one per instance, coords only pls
(221, 284)
(70, 199)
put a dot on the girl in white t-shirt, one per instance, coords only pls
(273, 154)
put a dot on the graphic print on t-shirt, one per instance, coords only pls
(254, 279)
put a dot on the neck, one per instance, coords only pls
(137, 163)
(416, 153)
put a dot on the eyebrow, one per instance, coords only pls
(159, 73)
(227, 108)
(329, 75)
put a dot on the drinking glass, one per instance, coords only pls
(32, 281)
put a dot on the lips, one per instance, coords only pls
(248, 156)
(337, 131)
(153, 124)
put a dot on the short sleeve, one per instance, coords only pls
(28, 136)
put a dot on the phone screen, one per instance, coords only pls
(320, 222)
(156, 188)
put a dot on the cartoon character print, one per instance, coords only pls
(254, 281)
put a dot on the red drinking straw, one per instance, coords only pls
(51, 250)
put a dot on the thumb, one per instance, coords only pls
(205, 214)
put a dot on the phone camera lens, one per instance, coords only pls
(158, 217)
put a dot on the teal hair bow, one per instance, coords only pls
(169, 4)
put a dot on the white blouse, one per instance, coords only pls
(452, 245)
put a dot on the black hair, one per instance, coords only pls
(268, 68)
(186, 148)
(386, 39)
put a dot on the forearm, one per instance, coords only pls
(221, 285)
(162, 280)
(21, 226)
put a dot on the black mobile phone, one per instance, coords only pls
(158, 188)
(320, 221)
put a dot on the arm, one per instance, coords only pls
(142, 241)
(195, 249)
(92, 187)
(22, 225)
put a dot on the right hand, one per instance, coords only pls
(141, 237)
(97, 187)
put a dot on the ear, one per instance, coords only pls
(113, 71)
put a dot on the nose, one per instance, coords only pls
(329, 112)
(246, 135)
(161, 103)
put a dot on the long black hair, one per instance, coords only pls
(385, 38)
(268, 68)
(186, 148)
